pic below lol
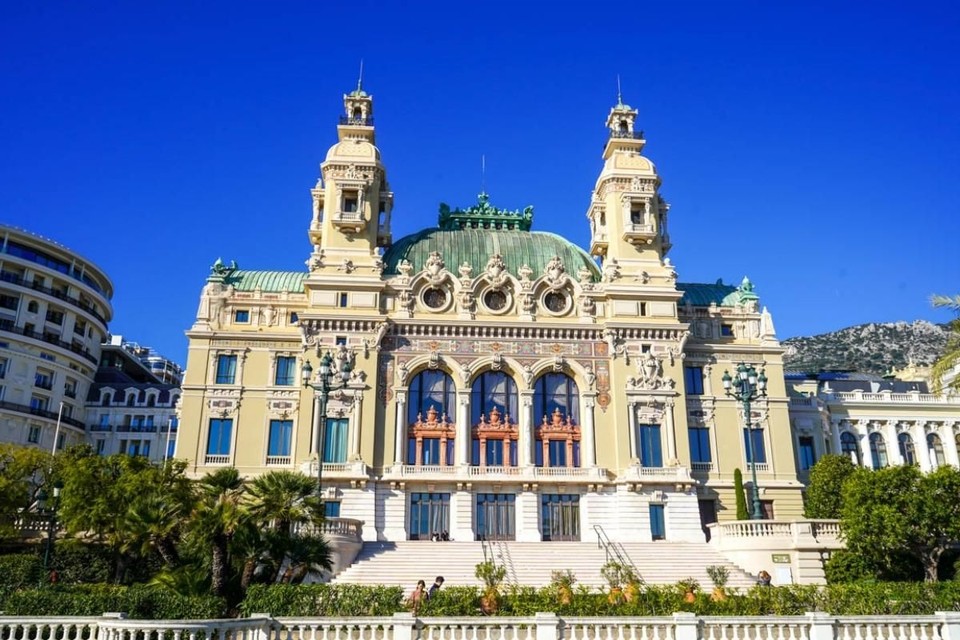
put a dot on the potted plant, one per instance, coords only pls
(562, 582)
(689, 587)
(719, 575)
(631, 582)
(612, 572)
(492, 575)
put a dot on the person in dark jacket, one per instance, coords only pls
(435, 587)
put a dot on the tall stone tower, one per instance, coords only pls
(628, 218)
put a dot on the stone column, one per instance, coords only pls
(462, 446)
(526, 440)
(919, 434)
(671, 431)
(632, 433)
(461, 515)
(355, 427)
(835, 437)
(863, 435)
(401, 426)
(707, 382)
(950, 445)
(588, 448)
(528, 516)
(893, 446)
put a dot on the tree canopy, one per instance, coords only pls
(825, 493)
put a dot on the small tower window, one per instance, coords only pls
(357, 113)
(623, 126)
(636, 212)
(350, 201)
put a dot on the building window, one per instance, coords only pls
(38, 403)
(699, 444)
(294, 318)
(429, 515)
(331, 509)
(556, 392)
(241, 316)
(658, 529)
(171, 447)
(726, 330)
(278, 442)
(431, 389)
(754, 435)
(335, 440)
(101, 447)
(850, 447)
(806, 452)
(935, 446)
(693, 379)
(560, 516)
(878, 451)
(648, 440)
(131, 399)
(495, 517)
(33, 436)
(907, 451)
(55, 317)
(341, 340)
(491, 390)
(767, 507)
(286, 375)
(61, 439)
(342, 301)
(226, 369)
(43, 379)
(218, 440)
(12, 302)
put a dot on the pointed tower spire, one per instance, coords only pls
(619, 95)
(360, 78)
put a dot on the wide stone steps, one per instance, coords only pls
(530, 563)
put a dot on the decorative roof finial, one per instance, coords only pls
(360, 77)
(483, 173)
(619, 95)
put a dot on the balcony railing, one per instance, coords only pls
(43, 384)
(10, 327)
(630, 135)
(356, 122)
(278, 461)
(888, 397)
(428, 471)
(70, 393)
(216, 459)
(702, 467)
(18, 280)
(100, 427)
(43, 413)
(136, 428)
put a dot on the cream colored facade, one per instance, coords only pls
(505, 383)
(54, 310)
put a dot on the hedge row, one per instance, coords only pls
(139, 601)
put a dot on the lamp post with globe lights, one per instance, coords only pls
(331, 374)
(747, 386)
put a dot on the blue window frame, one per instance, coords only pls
(807, 452)
(241, 315)
(556, 392)
(907, 451)
(878, 451)
(693, 380)
(850, 447)
(335, 440)
(648, 439)
(759, 451)
(171, 447)
(699, 444)
(494, 453)
(286, 371)
(557, 450)
(493, 389)
(278, 443)
(226, 369)
(658, 529)
(331, 509)
(218, 440)
(431, 451)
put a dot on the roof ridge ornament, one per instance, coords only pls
(483, 215)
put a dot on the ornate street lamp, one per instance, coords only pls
(746, 387)
(50, 511)
(326, 380)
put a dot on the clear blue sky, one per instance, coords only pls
(814, 147)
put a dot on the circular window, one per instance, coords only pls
(555, 302)
(435, 298)
(495, 300)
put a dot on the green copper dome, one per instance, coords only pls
(475, 246)
(475, 234)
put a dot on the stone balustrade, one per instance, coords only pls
(542, 626)
(890, 397)
(474, 472)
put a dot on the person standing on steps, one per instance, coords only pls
(418, 596)
(435, 587)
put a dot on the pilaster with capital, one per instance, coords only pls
(356, 421)
(632, 435)
(462, 439)
(671, 431)
(923, 451)
(950, 443)
(893, 444)
(525, 440)
(401, 395)
(588, 448)
(863, 438)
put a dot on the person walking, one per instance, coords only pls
(418, 596)
(436, 586)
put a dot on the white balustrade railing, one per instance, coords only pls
(343, 527)
(278, 461)
(542, 626)
(216, 459)
(820, 532)
(860, 396)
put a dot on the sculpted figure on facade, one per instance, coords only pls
(585, 277)
(434, 266)
(315, 261)
(465, 271)
(554, 271)
(611, 270)
(405, 269)
(268, 316)
(525, 272)
(496, 270)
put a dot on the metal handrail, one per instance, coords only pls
(613, 550)
(507, 561)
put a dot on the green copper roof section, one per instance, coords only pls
(483, 215)
(724, 295)
(475, 246)
(268, 281)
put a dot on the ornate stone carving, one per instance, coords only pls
(585, 278)
(346, 266)
(497, 363)
(434, 362)
(554, 271)
(315, 261)
(405, 269)
(434, 266)
(611, 270)
(465, 271)
(525, 272)
(650, 375)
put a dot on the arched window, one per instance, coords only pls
(907, 450)
(849, 445)
(878, 451)
(493, 389)
(556, 391)
(105, 398)
(131, 399)
(935, 446)
(431, 389)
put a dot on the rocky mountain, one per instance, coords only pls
(868, 348)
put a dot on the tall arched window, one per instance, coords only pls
(849, 445)
(935, 446)
(556, 391)
(431, 389)
(493, 389)
(907, 450)
(878, 451)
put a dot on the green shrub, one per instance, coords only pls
(20, 570)
(138, 602)
(739, 495)
(322, 600)
(82, 563)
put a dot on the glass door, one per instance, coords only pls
(429, 515)
(496, 516)
(560, 517)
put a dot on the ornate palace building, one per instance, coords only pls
(499, 382)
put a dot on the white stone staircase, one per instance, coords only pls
(530, 563)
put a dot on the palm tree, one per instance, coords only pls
(303, 554)
(152, 522)
(282, 499)
(951, 355)
(217, 517)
